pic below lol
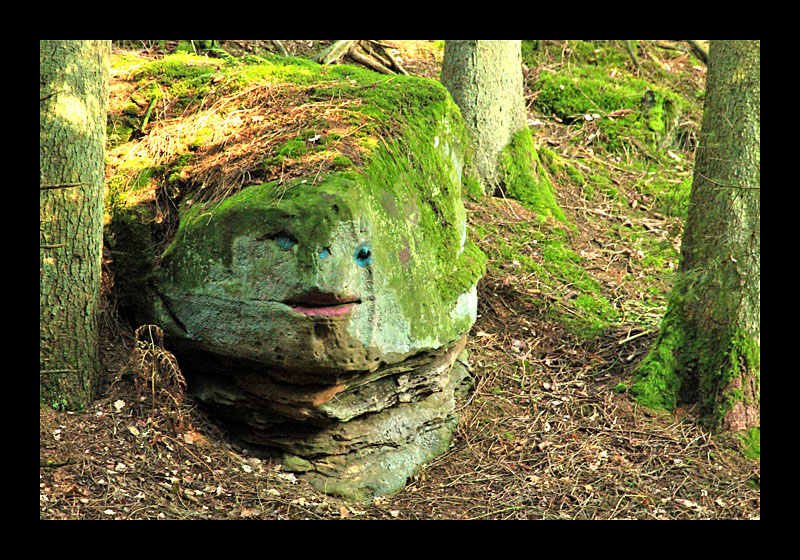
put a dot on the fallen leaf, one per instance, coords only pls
(288, 476)
(619, 113)
(193, 438)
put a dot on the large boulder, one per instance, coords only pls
(320, 280)
(322, 316)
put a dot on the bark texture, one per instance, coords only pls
(710, 342)
(485, 80)
(73, 86)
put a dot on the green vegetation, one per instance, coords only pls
(525, 179)
(624, 149)
(752, 443)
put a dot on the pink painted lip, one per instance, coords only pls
(318, 304)
(326, 311)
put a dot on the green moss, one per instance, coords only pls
(597, 314)
(544, 253)
(587, 90)
(341, 162)
(574, 174)
(658, 381)
(688, 363)
(525, 178)
(671, 197)
(423, 135)
(720, 370)
(751, 441)
(292, 149)
(117, 134)
(472, 187)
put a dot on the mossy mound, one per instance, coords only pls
(622, 107)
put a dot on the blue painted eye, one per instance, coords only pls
(363, 255)
(285, 242)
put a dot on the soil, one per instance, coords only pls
(547, 433)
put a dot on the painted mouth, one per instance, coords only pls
(318, 304)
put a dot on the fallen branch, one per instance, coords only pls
(366, 60)
(334, 52)
(632, 54)
(280, 48)
(698, 51)
(369, 53)
(383, 56)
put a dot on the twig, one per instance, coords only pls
(55, 371)
(634, 337)
(61, 186)
(146, 118)
(727, 186)
(55, 464)
(632, 54)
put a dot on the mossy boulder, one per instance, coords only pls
(309, 297)
(319, 279)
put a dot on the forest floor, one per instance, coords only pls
(549, 431)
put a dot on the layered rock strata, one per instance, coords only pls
(359, 438)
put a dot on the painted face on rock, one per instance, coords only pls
(286, 281)
(314, 282)
(319, 268)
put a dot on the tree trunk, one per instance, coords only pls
(73, 91)
(709, 348)
(485, 80)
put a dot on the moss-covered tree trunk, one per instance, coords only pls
(73, 91)
(709, 346)
(485, 81)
